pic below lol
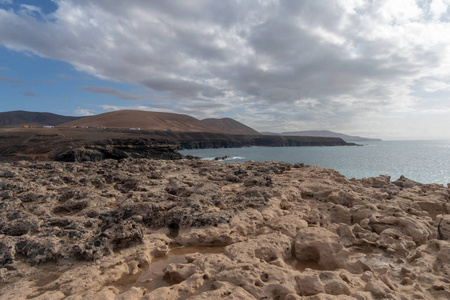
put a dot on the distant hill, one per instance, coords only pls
(20, 118)
(323, 133)
(230, 126)
(128, 119)
(148, 120)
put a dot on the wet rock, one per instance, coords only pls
(176, 273)
(222, 157)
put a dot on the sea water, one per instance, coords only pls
(423, 161)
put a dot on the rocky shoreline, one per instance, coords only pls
(194, 229)
(94, 144)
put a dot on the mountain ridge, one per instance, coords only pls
(19, 118)
(323, 133)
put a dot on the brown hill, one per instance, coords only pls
(20, 118)
(230, 126)
(144, 120)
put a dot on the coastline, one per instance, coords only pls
(425, 162)
(249, 230)
(94, 144)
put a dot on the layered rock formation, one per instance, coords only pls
(121, 148)
(190, 229)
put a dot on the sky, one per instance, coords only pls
(374, 68)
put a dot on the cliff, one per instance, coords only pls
(92, 144)
(202, 140)
(121, 148)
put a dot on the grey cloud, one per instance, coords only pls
(182, 88)
(110, 92)
(47, 81)
(65, 76)
(9, 79)
(30, 94)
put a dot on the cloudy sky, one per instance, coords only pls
(377, 68)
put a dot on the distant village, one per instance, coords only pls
(84, 127)
(45, 126)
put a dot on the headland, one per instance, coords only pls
(94, 144)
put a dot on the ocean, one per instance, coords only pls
(422, 161)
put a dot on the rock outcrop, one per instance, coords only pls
(121, 148)
(191, 229)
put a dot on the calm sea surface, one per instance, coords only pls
(423, 161)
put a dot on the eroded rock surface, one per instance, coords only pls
(111, 230)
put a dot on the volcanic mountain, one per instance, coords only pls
(20, 118)
(148, 120)
(230, 126)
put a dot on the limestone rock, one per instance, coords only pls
(443, 227)
(378, 289)
(224, 290)
(254, 230)
(133, 293)
(177, 273)
(268, 248)
(320, 246)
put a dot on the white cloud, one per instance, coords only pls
(398, 11)
(438, 8)
(330, 62)
(83, 112)
(435, 85)
(108, 108)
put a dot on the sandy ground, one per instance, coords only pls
(190, 229)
